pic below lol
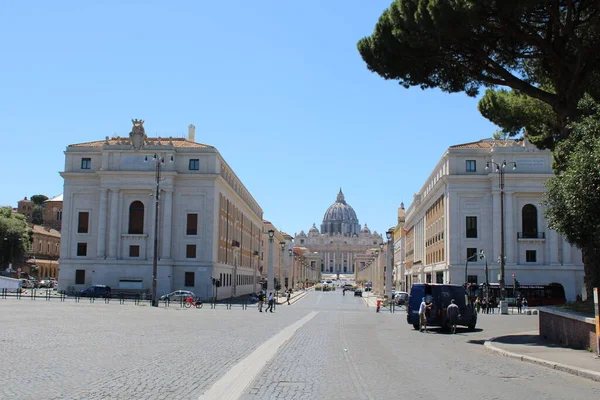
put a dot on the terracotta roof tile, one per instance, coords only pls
(177, 142)
(43, 231)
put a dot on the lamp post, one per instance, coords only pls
(388, 265)
(159, 163)
(291, 273)
(473, 257)
(487, 283)
(500, 170)
(270, 272)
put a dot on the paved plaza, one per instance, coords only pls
(338, 349)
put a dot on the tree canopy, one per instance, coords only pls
(14, 236)
(545, 49)
(573, 196)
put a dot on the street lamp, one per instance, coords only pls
(270, 272)
(500, 170)
(487, 283)
(388, 264)
(159, 163)
(473, 257)
(291, 270)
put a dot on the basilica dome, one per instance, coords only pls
(340, 218)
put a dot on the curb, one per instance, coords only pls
(298, 298)
(584, 373)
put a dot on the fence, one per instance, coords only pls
(121, 298)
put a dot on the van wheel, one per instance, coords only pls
(416, 326)
(471, 326)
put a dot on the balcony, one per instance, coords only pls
(531, 235)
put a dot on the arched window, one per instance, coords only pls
(529, 219)
(136, 217)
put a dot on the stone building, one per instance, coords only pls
(458, 212)
(340, 240)
(43, 256)
(53, 212)
(25, 207)
(209, 226)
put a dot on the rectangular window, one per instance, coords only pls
(472, 254)
(194, 164)
(81, 249)
(190, 251)
(192, 224)
(83, 224)
(134, 251)
(472, 279)
(59, 215)
(86, 163)
(471, 166)
(80, 276)
(189, 279)
(530, 256)
(471, 227)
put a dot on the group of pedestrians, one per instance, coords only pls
(271, 300)
(452, 313)
(485, 305)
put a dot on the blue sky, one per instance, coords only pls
(278, 87)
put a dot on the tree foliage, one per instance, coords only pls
(39, 199)
(14, 236)
(573, 196)
(462, 45)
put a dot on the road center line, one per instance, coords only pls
(231, 386)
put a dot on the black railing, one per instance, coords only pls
(531, 235)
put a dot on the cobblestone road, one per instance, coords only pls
(53, 350)
(350, 352)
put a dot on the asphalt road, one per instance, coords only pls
(338, 349)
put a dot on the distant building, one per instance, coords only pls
(340, 240)
(53, 209)
(457, 214)
(209, 225)
(25, 207)
(43, 256)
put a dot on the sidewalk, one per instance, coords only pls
(530, 347)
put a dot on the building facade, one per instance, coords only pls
(43, 256)
(457, 216)
(340, 240)
(119, 192)
(53, 212)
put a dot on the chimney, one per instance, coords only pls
(192, 133)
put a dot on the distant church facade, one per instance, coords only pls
(340, 239)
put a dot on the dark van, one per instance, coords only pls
(440, 296)
(96, 291)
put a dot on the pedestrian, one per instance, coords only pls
(492, 304)
(519, 304)
(270, 302)
(478, 304)
(453, 314)
(261, 299)
(484, 306)
(423, 308)
(524, 304)
(289, 296)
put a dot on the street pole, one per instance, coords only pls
(155, 255)
(270, 272)
(159, 161)
(388, 266)
(500, 170)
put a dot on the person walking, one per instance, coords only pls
(422, 315)
(484, 306)
(270, 302)
(519, 304)
(289, 296)
(453, 314)
(478, 305)
(261, 300)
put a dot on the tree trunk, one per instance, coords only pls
(591, 268)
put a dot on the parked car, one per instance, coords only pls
(401, 298)
(178, 295)
(96, 291)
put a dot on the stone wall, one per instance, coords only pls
(567, 328)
